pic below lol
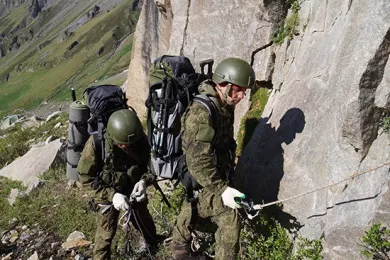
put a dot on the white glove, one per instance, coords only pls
(139, 191)
(120, 202)
(228, 197)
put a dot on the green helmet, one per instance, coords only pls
(235, 71)
(124, 127)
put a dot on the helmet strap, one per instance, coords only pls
(225, 93)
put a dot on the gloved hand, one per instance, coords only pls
(139, 191)
(228, 197)
(120, 202)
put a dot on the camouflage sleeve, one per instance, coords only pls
(87, 168)
(197, 139)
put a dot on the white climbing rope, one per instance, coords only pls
(261, 206)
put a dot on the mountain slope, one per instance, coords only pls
(47, 47)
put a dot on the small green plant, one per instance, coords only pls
(288, 28)
(265, 238)
(163, 216)
(309, 249)
(385, 124)
(376, 243)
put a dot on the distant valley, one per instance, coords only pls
(50, 46)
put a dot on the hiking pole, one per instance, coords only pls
(165, 122)
(160, 119)
(164, 198)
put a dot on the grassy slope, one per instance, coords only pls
(50, 72)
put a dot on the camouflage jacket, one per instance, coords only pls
(120, 170)
(209, 153)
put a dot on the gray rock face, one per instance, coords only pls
(198, 30)
(321, 124)
(331, 86)
(151, 39)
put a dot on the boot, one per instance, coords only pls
(183, 252)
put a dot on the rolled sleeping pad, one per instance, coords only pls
(77, 136)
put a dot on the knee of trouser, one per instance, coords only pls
(229, 219)
(107, 222)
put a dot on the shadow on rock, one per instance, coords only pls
(286, 220)
(261, 164)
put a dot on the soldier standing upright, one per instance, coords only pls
(209, 153)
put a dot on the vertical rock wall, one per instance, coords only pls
(151, 39)
(320, 126)
(200, 30)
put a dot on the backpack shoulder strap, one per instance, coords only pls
(98, 144)
(205, 101)
(99, 147)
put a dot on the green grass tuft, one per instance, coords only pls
(384, 123)
(55, 208)
(265, 238)
(288, 28)
(376, 242)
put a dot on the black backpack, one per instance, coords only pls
(89, 117)
(102, 100)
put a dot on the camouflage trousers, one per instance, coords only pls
(210, 207)
(107, 224)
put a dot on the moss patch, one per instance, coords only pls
(249, 122)
(287, 29)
